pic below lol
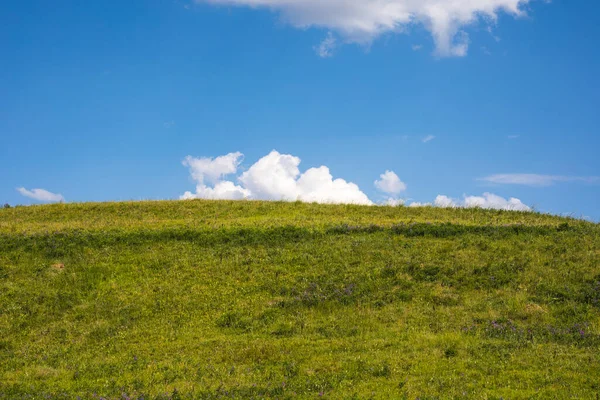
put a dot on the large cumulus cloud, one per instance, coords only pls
(361, 21)
(274, 177)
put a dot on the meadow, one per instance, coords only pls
(269, 300)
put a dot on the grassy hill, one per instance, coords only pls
(211, 300)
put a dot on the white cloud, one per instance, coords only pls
(41, 195)
(428, 138)
(325, 49)
(536, 180)
(444, 202)
(416, 47)
(274, 177)
(417, 204)
(394, 202)
(492, 201)
(213, 170)
(390, 183)
(221, 191)
(486, 201)
(362, 21)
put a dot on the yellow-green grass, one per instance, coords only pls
(202, 299)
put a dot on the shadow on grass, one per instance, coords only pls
(58, 243)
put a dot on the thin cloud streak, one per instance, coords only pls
(41, 195)
(537, 180)
(327, 46)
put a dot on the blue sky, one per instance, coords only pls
(104, 100)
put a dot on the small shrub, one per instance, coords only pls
(233, 320)
(284, 329)
(389, 271)
(291, 369)
(450, 352)
(382, 370)
(563, 227)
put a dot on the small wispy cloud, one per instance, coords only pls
(428, 138)
(169, 124)
(513, 137)
(417, 47)
(41, 195)
(327, 46)
(491, 32)
(537, 180)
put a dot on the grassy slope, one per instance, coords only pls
(276, 300)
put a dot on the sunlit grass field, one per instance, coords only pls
(206, 300)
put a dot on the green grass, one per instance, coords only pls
(261, 300)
